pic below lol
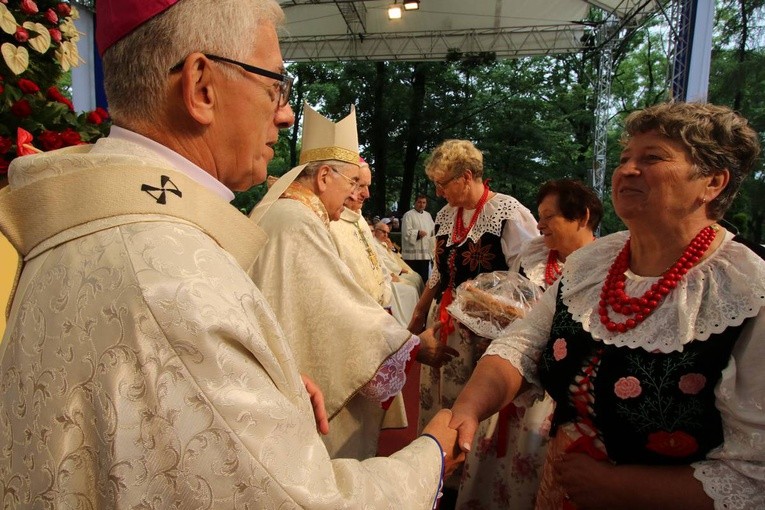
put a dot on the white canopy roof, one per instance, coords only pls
(332, 30)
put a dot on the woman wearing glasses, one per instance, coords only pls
(478, 231)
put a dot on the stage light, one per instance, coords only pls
(411, 5)
(394, 11)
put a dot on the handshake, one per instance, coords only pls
(438, 427)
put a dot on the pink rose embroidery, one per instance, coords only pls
(691, 384)
(627, 387)
(559, 349)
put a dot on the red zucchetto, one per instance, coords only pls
(117, 18)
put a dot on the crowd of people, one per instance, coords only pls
(164, 350)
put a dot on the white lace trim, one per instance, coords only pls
(721, 291)
(733, 485)
(497, 208)
(533, 258)
(391, 376)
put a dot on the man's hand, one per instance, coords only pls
(432, 352)
(438, 427)
(317, 401)
(421, 234)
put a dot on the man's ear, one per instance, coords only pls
(586, 219)
(198, 88)
(322, 178)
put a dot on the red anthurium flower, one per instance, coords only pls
(51, 16)
(21, 108)
(50, 140)
(64, 9)
(3, 163)
(29, 6)
(28, 86)
(102, 113)
(55, 95)
(21, 34)
(24, 145)
(55, 34)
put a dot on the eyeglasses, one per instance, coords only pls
(353, 182)
(285, 81)
(444, 184)
(383, 232)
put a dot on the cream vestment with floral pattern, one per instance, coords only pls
(141, 368)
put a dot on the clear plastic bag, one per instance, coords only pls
(492, 301)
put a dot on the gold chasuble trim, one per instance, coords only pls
(327, 153)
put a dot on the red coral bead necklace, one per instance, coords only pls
(552, 269)
(638, 308)
(460, 232)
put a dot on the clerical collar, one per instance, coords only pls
(177, 161)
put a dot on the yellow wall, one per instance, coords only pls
(8, 264)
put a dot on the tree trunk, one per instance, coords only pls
(379, 137)
(414, 134)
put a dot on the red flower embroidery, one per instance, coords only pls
(560, 349)
(672, 444)
(691, 384)
(627, 387)
(478, 255)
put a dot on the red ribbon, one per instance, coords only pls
(503, 428)
(447, 323)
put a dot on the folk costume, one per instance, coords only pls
(510, 450)
(695, 358)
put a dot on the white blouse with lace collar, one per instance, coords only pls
(722, 291)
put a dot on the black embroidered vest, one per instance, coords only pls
(648, 408)
(459, 263)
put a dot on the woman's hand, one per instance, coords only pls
(418, 321)
(465, 422)
(317, 401)
(432, 351)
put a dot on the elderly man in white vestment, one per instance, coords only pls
(355, 243)
(392, 260)
(356, 351)
(141, 367)
(358, 249)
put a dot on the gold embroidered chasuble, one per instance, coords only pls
(339, 334)
(355, 244)
(140, 365)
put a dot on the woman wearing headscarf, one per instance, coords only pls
(651, 341)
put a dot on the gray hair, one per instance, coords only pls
(715, 137)
(136, 68)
